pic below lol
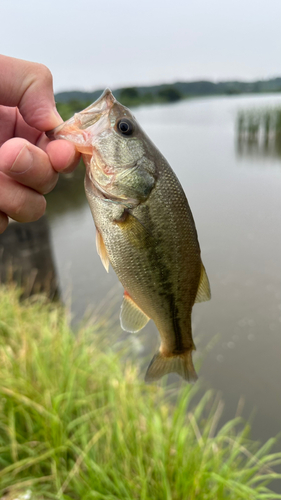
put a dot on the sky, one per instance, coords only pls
(91, 44)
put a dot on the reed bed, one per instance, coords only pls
(260, 128)
(77, 422)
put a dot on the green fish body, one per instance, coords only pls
(145, 229)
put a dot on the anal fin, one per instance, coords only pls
(132, 318)
(102, 252)
(203, 291)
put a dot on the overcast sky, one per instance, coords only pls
(91, 44)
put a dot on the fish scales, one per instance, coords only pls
(145, 230)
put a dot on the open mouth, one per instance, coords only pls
(92, 115)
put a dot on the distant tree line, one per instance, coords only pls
(73, 101)
(129, 97)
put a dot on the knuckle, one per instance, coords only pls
(27, 206)
(35, 74)
(45, 73)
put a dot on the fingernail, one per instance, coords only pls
(23, 162)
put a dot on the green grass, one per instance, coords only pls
(76, 421)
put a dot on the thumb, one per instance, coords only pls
(29, 86)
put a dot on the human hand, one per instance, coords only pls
(29, 162)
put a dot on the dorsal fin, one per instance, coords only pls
(203, 292)
(132, 318)
(102, 252)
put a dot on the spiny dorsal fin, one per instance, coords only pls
(132, 318)
(203, 292)
(102, 250)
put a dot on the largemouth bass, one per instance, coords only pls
(144, 229)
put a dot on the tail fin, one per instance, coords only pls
(181, 364)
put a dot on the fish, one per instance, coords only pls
(144, 229)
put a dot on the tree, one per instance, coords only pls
(129, 95)
(169, 94)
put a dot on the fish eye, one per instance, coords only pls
(125, 126)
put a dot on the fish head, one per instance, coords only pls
(82, 127)
(114, 147)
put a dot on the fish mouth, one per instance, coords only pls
(91, 119)
(101, 105)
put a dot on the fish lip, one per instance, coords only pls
(101, 105)
(84, 118)
(92, 114)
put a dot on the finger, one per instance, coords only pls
(12, 124)
(7, 123)
(19, 202)
(28, 165)
(29, 86)
(4, 221)
(22, 129)
(63, 155)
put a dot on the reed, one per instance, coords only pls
(77, 422)
(260, 129)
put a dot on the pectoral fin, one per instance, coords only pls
(102, 250)
(132, 318)
(136, 232)
(203, 292)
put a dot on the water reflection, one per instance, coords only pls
(26, 258)
(259, 133)
(256, 150)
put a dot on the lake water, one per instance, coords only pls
(236, 203)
